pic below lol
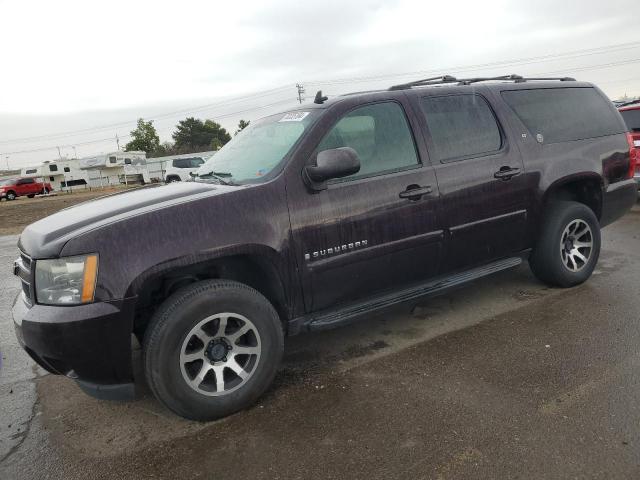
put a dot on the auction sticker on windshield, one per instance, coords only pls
(294, 117)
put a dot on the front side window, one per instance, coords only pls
(381, 136)
(258, 149)
(25, 181)
(461, 126)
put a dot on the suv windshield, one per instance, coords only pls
(7, 181)
(258, 149)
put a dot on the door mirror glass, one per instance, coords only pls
(333, 163)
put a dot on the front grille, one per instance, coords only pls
(24, 271)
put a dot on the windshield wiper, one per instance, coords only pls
(219, 177)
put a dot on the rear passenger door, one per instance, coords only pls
(480, 173)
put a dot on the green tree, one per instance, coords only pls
(242, 124)
(193, 135)
(144, 138)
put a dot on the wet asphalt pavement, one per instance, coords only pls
(504, 378)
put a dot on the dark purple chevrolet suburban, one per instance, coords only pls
(313, 218)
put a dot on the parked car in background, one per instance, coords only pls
(630, 112)
(179, 169)
(12, 188)
(313, 218)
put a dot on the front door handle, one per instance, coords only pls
(415, 192)
(506, 173)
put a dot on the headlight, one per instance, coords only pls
(66, 281)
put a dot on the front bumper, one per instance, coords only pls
(89, 343)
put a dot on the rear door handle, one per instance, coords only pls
(415, 192)
(506, 173)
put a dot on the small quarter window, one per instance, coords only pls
(461, 126)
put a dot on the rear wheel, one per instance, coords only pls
(212, 349)
(569, 245)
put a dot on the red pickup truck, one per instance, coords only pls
(11, 188)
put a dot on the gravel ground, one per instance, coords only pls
(19, 213)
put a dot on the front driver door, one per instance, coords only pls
(367, 233)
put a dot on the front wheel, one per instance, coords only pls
(212, 348)
(569, 245)
(11, 196)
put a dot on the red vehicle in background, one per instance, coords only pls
(11, 188)
(630, 111)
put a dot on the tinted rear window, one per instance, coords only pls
(564, 114)
(632, 119)
(461, 126)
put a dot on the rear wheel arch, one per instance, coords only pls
(584, 188)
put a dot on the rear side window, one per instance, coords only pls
(461, 126)
(556, 115)
(632, 119)
(381, 136)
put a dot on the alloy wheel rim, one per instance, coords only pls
(576, 245)
(220, 353)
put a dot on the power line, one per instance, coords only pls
(121, 137)
(502, 63)
(195, 109)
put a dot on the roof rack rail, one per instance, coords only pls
(444, 79)
(426, 81)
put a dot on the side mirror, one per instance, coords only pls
(334, 163)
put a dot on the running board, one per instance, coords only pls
(333, 318)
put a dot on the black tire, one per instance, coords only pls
(11, 195)
(172, 179)
(548, 258)
(168, 332)
(45, 191)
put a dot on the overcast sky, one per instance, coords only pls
(67, 66)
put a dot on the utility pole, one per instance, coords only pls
(7, 159)
(75, 153)
(300, 92)
(59, 154)
(117, 141)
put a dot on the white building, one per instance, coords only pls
(102, 170)
(60, 174)
(115, 168)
